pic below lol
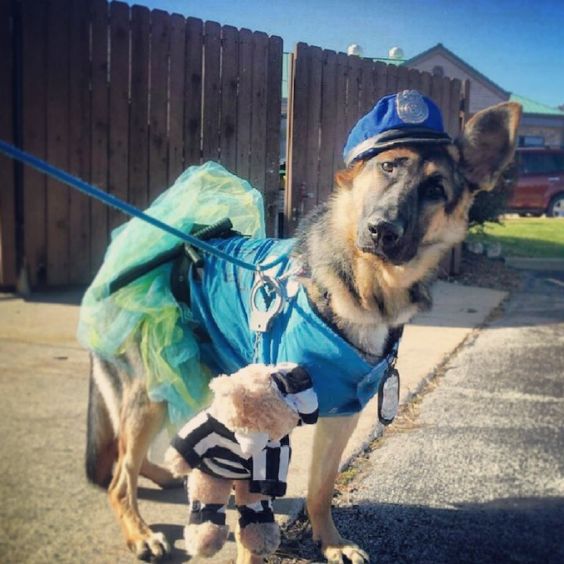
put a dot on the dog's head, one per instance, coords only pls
(411, 199)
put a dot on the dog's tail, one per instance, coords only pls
(104, 399)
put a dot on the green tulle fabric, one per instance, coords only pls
(145, 312)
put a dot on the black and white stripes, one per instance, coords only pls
(205, 443)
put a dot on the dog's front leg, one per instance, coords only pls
(331, 437)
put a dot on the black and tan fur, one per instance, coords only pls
(369, 256)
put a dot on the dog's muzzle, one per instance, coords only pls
(384, 238)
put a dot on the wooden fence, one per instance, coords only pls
(330, 92)
(126, 98)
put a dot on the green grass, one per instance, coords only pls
(524, 237)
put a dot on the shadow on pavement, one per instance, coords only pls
(503, 530)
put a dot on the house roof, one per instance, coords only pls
(440, 48)
(532, 107)
(529, 106)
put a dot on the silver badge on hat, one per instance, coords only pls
(411, 107)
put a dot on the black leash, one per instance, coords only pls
(184, 255)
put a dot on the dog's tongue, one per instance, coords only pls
(251, 443)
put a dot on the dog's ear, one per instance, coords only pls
(344, 178)
(487, 144)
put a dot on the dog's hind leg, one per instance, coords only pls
(104, 398)
(159, 475)
(140, 421)
(331, 437)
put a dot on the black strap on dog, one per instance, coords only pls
(394, 335)
(206, 513)
(249, 515)
(183, 255)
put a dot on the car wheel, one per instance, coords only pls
(556, 206)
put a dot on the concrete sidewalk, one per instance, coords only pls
(49, 512)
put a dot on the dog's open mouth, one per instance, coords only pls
(396, 255)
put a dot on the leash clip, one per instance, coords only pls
(261, 319)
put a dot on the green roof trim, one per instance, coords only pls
(532, 107)
(395, 62)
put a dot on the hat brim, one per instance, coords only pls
(392, 138)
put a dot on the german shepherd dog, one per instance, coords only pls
(369, 254)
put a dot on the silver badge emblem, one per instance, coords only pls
(411, 107)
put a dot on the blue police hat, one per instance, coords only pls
(398, 119)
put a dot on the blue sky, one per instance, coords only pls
(518, 44)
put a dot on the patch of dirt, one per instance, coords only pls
(479, 270)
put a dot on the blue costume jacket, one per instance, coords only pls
(220, 302)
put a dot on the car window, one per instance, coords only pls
(541, 163)
(559, 162)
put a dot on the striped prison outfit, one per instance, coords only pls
(258, 512)
(207, 444)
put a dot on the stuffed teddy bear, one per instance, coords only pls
(241, 441)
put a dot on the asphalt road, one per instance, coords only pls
(478, 476)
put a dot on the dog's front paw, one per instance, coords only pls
(345, 551)
(150, 548)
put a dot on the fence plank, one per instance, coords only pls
(367, 86)
(258, 121)
(403, 78)
(57, 141)
(119, 108)
(329, 112)
(425, 83)
(310, 194)
(273, 119)
(454, 108)
(445, 101)
(414, 79)
(139, 108)
(99, 143)
(229, 76)
(289, 192)
(352, 107)
(34, 111)
(8, 264)
(391, 79)
(341, 126)
(176, 97)
(158, 146)
(437, 90)
(79, 141)
(193, 93)
(379, 81)
(211, 100)
(244, 103)
(465, 104)
(296, 167)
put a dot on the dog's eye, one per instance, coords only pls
(388, 166)
(434, 190)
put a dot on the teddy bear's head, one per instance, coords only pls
(260, 398)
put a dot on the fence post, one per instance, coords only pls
(8, 190)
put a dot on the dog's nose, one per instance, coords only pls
(384, 233)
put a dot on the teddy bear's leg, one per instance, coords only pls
(206, 531)
(258, 533)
